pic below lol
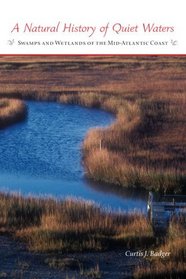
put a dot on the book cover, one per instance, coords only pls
(92, 139)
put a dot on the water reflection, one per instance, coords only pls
(106, 188)
(131, 197)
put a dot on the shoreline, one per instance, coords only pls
(12, 111)
(145, 146)
(95, 146)
(53, 232)
(147, 95)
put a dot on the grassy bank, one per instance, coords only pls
(55, 227)
(173, 266)
(145, 147)
(11, 111)
(135, 150)
(48, 225)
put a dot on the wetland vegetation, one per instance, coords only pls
(143, 148)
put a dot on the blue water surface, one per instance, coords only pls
(42, 156)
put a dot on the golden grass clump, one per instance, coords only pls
(11, 111)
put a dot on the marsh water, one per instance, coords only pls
(42, 156)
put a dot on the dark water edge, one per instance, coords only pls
(42, 156)
(17, 262)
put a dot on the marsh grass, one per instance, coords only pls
(145, 146)
(93, 272)
(11, 111)
(173, 266)
(134, 152)
(48, 225)
(53, 226)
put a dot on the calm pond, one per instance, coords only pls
(42, 156)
